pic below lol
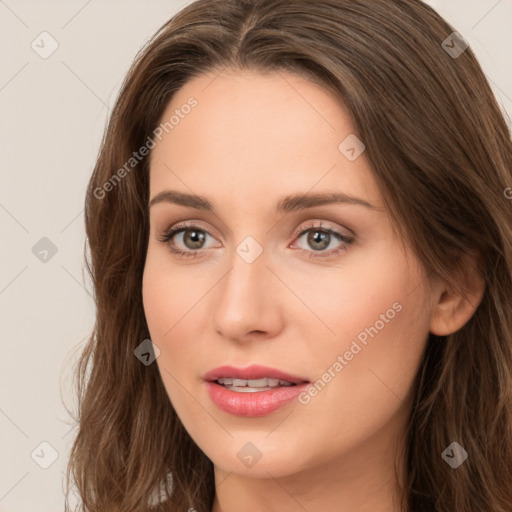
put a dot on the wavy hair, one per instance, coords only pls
(440, 151)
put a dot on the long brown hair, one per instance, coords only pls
(441, 153)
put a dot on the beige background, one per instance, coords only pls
(54, 111)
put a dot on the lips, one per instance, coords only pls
(252, 372)
(257, 402)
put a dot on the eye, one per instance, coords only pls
(192, 239)
(190, 236)
(320, 238)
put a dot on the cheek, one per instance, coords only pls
(374, 361)
(176, 307)
(168, 306)
(371, 294)
(169, 295)
(378, 317)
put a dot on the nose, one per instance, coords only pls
(247, 303)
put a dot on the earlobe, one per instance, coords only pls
(455, 307)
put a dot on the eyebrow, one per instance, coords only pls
(289, 203)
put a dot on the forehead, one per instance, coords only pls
(252, 135)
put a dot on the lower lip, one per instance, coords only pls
(253, 404)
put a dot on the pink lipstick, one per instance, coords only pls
(252, 391)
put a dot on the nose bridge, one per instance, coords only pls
(247, 300)
(248, 278)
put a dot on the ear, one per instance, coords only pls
(455, 305)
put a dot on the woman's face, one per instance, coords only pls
(263, 285)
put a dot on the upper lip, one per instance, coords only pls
(254, 371)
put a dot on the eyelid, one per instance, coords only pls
(319, 224)
(189, 224)
(179, 227)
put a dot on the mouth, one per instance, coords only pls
(252, 391)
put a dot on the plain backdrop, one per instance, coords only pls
(54, 110)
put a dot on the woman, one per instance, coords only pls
(301, 247)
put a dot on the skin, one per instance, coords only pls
(252, 139)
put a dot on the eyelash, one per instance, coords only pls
(178, 228)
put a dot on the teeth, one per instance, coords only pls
(253, 383)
